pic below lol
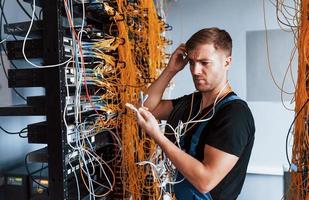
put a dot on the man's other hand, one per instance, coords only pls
(148, 122)
(179, 59)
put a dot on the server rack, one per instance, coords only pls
(54, 79)
(53, 131)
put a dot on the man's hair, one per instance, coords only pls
(218, 37)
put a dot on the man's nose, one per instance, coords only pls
(196, 69)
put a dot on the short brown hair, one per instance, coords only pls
(219, 38)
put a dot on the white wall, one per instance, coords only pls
(271, 119)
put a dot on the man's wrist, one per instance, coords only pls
(171, 72)
(159, 137)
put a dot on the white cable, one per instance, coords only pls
(76, 181)
(83, 129)
(85, 165)
(7, 37)
(24, 44)
(78, 79)
(159, 170)
(101, 167)
(213, 108)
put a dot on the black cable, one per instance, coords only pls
(12, 133)
(27, 168)
(2, 45)
(19, 133)
(1, 57)
(23, 9)
(36, 17)
(4, 17)
(42, 167)
(286, 142)
(6, 53)
(24, 130)
(6, 22)
(2, 12)
(4, 70)
(40, 175)
(287, 136)
(41, 14)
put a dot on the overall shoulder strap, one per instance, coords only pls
(196, 137)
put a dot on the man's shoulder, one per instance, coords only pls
(232, 102)
(236, 106)
(235, 115)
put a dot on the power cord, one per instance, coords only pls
(289, 131)
(19, 133)
(1, 57)
(28, 171)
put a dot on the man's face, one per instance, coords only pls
(208, 67)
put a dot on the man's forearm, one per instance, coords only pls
(156, 89)
(176, 63)
(194, 171)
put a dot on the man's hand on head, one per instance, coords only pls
(179, 59)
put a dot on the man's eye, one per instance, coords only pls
(204, 63)
(191, 63)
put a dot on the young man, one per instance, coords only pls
(217, 126)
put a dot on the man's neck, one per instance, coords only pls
(208, 98)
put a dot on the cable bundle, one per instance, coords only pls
(300, 154)
(287, 18)
(91, 74)
(295, 18)
(143, 54)
(106, 66)
(118, 65)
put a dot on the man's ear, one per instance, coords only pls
(228, 62)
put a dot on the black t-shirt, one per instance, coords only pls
(231, 130)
